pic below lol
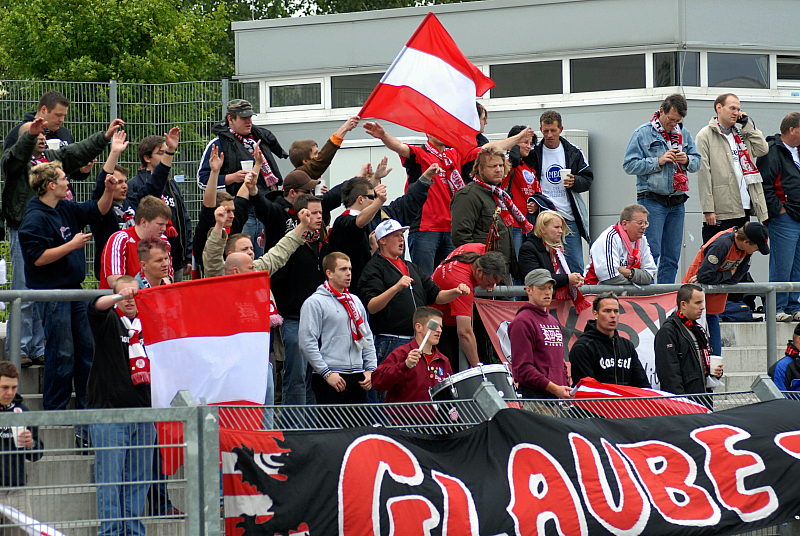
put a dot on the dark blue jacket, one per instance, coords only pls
(44, 228)
(12, 459)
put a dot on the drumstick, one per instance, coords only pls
(432, 326)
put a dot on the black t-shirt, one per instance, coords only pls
(110, 383)
(353, 241)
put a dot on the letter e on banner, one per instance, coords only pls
(411, 515)
(668, 475)
(364, 464)
(789, 442)
(629, 517)
(460, 516)
(540, 492)
(727, 467)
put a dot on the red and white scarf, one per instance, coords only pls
(449, 174)
(137, 358)
(508, 210)
(36, 160)
(674, 139)
(634, 253)
(749, 170)
(357, 327)
(567, 292)
(250, 143)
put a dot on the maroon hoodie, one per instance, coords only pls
(537, 351)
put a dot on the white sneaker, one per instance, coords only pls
(783, 317)
(796, 316)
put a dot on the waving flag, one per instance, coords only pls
(210, 337)
(622, 401)
(431, 87)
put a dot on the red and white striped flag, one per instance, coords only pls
(25, 523)
(209, 337)
(620, 401)
(431, 87)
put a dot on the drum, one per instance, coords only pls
(463, 385)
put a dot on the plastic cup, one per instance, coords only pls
(16, 431)
(54, 145)
(563, 173)
(247, 165)
(716, 360)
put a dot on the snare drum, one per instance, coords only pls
(464, 385)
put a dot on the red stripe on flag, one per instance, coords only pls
(431, 37)
(214, 307)
(232, 484)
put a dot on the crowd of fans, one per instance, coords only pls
(350, 315)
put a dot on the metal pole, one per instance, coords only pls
(15, 333)
(208, 466)
(112, 99)
(226, 94)
(770, 299)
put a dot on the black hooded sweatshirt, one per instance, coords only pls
(606, 359)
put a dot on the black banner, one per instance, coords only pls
(523, 474)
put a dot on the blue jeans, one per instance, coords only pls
(516, 239)
(429, 249)
(32, 339)
(714, 334)
(128, 464)
(384, 345)
(665, 237)
(784, 259)
(254, 227)
(296, 370)
(67, 353)
(573, 248)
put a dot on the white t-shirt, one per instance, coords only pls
(553, 161)
(737, 170)
(793, 152)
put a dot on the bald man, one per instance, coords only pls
(239, 263)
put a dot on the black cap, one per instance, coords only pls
(542, 200)
(757, 233)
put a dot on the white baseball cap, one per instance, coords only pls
(387, 227)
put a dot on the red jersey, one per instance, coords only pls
(450, 275)
(524, 184)
(436, 210)
(120, 255)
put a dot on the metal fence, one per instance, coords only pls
(147, 109)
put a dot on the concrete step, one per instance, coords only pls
(154, 527)
(58, 437)
(31, 380)
(746, 359)
(754, 333)
(34, 402)
(60, 470)
(738, 381)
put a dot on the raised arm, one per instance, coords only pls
(215, 161)
(376, 131)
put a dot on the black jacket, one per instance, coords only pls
(279, 218)
(206, 221)
(395, 319)
(606, 359)
(677, 361)
(580, 169)
(533, 254)
(779, 173)
(299, 278)
(12, 466)
(235, 152)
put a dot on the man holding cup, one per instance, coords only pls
(17, 443)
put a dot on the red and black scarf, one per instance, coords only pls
(749, 170)
(139, 363)
(700, 336)
(449, 174)
(250, 143)
(508, 210)
(674, 139)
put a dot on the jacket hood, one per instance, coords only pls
(14, 403)
(775, 140)
(535, 309)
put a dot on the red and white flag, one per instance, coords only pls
(431, 87)
(624, 402)
(25, 523)
(209, 337)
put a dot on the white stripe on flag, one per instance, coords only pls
(218, 369)
(437, 80)
(251, 505)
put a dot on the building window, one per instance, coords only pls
(676, 69)
(738, 70)
(789, 69)
(607, 73)
(247, 91)
(295, 95)
(352, 90)
(521, 79)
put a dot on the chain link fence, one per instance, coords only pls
(147, 109)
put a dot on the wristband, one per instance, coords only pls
(169, 153)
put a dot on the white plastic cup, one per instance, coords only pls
(54, 144)
(16, 431)
(247, 165)
(716, 360)
(563, 173)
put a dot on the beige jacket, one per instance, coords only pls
(272, 261)
(719, 188)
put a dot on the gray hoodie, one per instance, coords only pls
(325, 339)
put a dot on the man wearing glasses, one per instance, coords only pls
(621, 254)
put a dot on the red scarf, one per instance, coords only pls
(250, 144)
(453, 178)
(749, 170)
(567, 292)
(137, 358)
(508, 210)
(357, 328)
(634, 254)
(702, 340)
(41, 159)
(674, 139)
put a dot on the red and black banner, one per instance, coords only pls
(522, 474)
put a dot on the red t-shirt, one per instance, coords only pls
(449, 276)
(400, 264)
(120, 255)
(436, 210)
(524, 184)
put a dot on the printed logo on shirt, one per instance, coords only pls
(169, 200)
(552, 335)
(529, 176)
(553, 175)
(608, 362)
(730, 265)
(66, 234)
